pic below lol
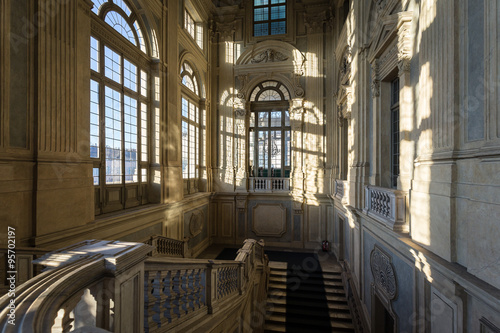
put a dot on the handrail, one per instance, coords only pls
(387, 206)
(168, 246)
(177, 290)
(130, 291)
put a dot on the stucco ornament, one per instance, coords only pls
(383, 273)
(196, 223)
(269, 55)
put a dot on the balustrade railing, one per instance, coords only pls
(269, 184)
(111, 286)
(177, 290)
(168, 246)
(388, 206)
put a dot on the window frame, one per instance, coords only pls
(269, 21)
(197, 34)
(395, 131)
(127, 193)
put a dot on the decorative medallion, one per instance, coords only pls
(383, 273)
(196, 223)
(269, 55)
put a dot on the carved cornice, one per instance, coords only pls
(269, 55)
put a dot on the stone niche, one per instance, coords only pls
(269, 220)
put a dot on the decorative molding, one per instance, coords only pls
(226, 30)
(196, 223)
(240, 113)
(243, 78)
(269, 220)
(314, 22)
(297, 87)
(487, 327)
(375, 85)
(383, 273)
(269, 55)
(404, 65)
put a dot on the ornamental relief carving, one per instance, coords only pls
(383, 273)
(196, 223)
(269, 55)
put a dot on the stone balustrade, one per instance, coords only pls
(112, 286)
(168, 246)
(387, 206)
(269, 184)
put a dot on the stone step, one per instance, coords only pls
(273, 294)
(338, 305)
(307, 287)
(326, 283)
(334, 313)
(307, 275)
(279, 328)
(312, 324)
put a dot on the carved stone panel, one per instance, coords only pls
(269, 220)
(383, 273)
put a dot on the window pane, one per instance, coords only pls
(95, 174)
(270, 95)
(94, 119)
(260, 2)
(144, 175)
(118, 22)
(261, 29)
(113, 119)
(112, 64)
(278, 28)
(278, 12)
(191, 150)
(185, 107)
(192, 112)
(142, 44)
(144, 83)
(199, 35)
(252, 119)
(287, 148)
(261, 14)
(185, 150)
(262, 153)
(287, 118)
(251, 150)
(131, 141)
(276, 153)
(94, 54)
(129, 75)
(144, 132)
(274, 2)
(263, 119)
(276, 119)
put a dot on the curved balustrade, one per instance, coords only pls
(111, 286)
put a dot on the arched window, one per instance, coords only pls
(269, 131)
(122, 121)
(193, 128)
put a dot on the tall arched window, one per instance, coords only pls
(269, 131)
(193, 128)
(122, 121)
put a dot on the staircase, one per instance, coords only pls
(301, 301)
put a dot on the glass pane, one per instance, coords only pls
(192, 141)
(263, 119)
(260, 2)
(278, 12)
(287, 118)
(131, 140)
(261, 14)
(275, 153)
(278, 28)
(185, 107)
(261, 29)
(95, 174)
(94, 119)
(185, 150)
(118, 22)
(123, 6)
(113, 134)
(196, 152)
(285, 92)
(274, 2)
(144, 132)
(270, 95)
(94, 54)
(254, 93)
(287, 148)
(188, 82)
(262, 154)
(144, 83)
(192, 112)
(112, 64)
(251, 149)
(276, 119)
(129, 75)
(199, 35)
(144, 175)
(142, 44)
